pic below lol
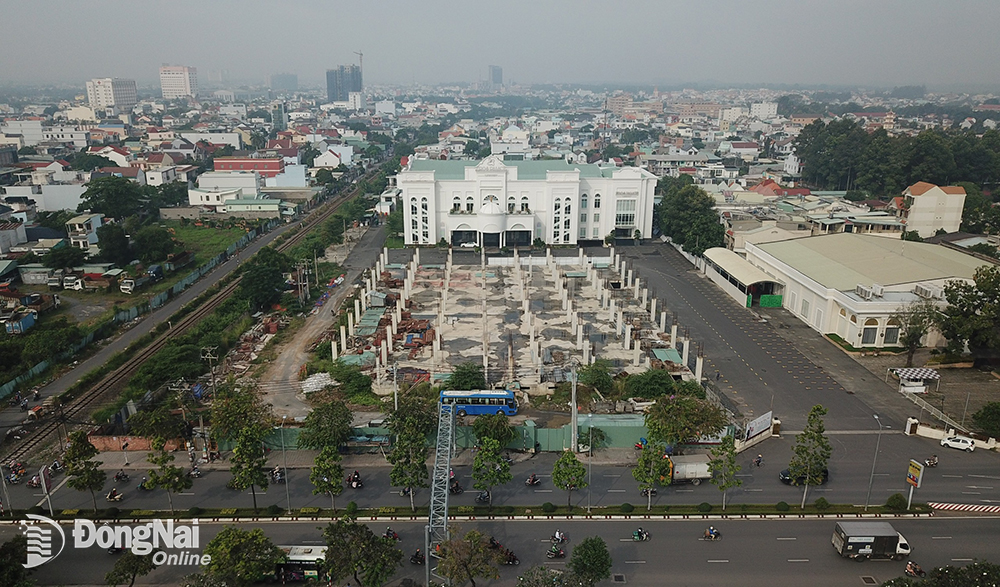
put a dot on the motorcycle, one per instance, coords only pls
(404, 492)
(930, 463)
(556, 553)
(114, 497)
(532, 481)
(391, 534)
(144, 486)
(417, 558)
(456, 489)
(276, 477)
(561, 539)
(121, 477)
(494, 544)
(13, 479)
(355, 481)
(642, 536)
(712, 536)
(914, 570)
(196, 474)
(511, 559)
(34, 482)
(483, 497)
(646, 492)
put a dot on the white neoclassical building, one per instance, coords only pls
(497, 203)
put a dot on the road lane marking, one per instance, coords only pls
(798, 560)
(977, 487)
(791, 538)
(940, 537)
(635, 562)
(962, 560)
(971, 493)
(718, 560)
(616, 491)
(543, 491)
(953, 476)
(684, 490)
(612, 475)
(555, 562)
(753, 490)
(185, 494)
(985, 476)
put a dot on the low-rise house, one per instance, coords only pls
(82, 231)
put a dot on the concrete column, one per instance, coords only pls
(652, 309)
(614, 260)
(565, 299)
(385, 352)
(673, 334)
(581, 261)
(618, 324)
(628, 278)
(579, 336)
(357, 310)
(350, 324)
(645, 297)
(416, 256)
(612, 255)
(574, 320)
(686, 352)
(635, 288)
(343, 339)
(627, 341)
(612, 307)
(637, 356)
(392, 325)
(385, 253)
(333, 350)
(663, 322)
(586, 353)
(699, 365)
(524, 305)
(364, 299)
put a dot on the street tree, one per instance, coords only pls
(327, 475)
(90, 162)
(495, 426)
(596, 437)
(915, 321)
(64, 257)
(673, 420)
(649, 384)
(597, 375)
(545, 577)
(489, 468)
(467, 376)
(248, 462)
(241, 557)
(987, 419)
(116, 197)
(811, 452)
(156, 423)
(973, 313)
(81, 470)
(415, 414)
(129, 567)
(976, 574)
(468, 558)
(687, 215)
(724, 467)
(261, 285)
(13, 553)
(409, 463)
(324, 176)
(165, 475)
(569, 474)
(352, 550)
(236, 408)
(590, 561)
(114, 244)
(328, 424)
(651, 470)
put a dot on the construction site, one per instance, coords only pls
(529, 320)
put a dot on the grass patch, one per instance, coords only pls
(394, 242)
(205, 242)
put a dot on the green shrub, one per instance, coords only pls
(704, 507)
(548, 508)
(351, 509)
(111, 513)
(822, 504)
(744, 507)
(386, 510)
(896, 502)
(782, 506)
(507, 509)
(36, 510)
(274, 510)
(627, 508)
(195, 511)
(305, 511)
(70, 512)
(228, 512)
(466, 509)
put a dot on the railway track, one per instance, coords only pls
(76, 409)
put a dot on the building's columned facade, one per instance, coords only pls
(496, 203)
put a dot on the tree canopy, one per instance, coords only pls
(90, 162)
(467, 376)
(114, 244)
(468, 558)
(353, 550)
(973, 313)
(241, 557)
(117, 197)
(64, 257)
(811, 452)
(327, 425)
(687, 215)
(569, 474)
(591, 561)
(987, 419)
(676, 419)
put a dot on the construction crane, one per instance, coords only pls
(361, 62)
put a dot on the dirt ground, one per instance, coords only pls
(959, 386)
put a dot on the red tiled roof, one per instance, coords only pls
(922, 187)
(123, 171)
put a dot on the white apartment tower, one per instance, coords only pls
(764, 110)
(178, 81)
(104, 92)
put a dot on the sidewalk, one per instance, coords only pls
(303, 459)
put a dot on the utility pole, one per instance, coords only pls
(572, 407)
(208, 354)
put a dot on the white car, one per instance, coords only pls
(959, 442)
(469, 245)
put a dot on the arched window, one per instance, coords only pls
(490, 199)
(567, 208)
(470, 204)
(597, 201)
(524, 204)
(892, 332)
(413, 206)
(557, 205)
(510, 204)
(870, 332)
(423, 203)
(583, 201)
(456, 204)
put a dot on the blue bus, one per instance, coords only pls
(496, 401)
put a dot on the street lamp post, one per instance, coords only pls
(590, 460)
(125, 450)
(284, 463)
(871, 478)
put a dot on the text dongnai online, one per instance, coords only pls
(143, 539)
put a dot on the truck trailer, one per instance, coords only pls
(864, 540)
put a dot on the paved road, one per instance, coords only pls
(760, 365)
(783, 552)
(961, 478)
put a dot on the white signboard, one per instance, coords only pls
(758, 426)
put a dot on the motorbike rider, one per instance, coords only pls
(532, 479)
(120, 475)
(142, 484)
(933, 461)
(555, 549)
(912, 568)
(758, 461)
(113, 493)
(559, 536)
(640, 534)
(711, 533)
(417, 556)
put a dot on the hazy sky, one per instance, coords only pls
(853, 42)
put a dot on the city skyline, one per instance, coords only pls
(847, 43)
